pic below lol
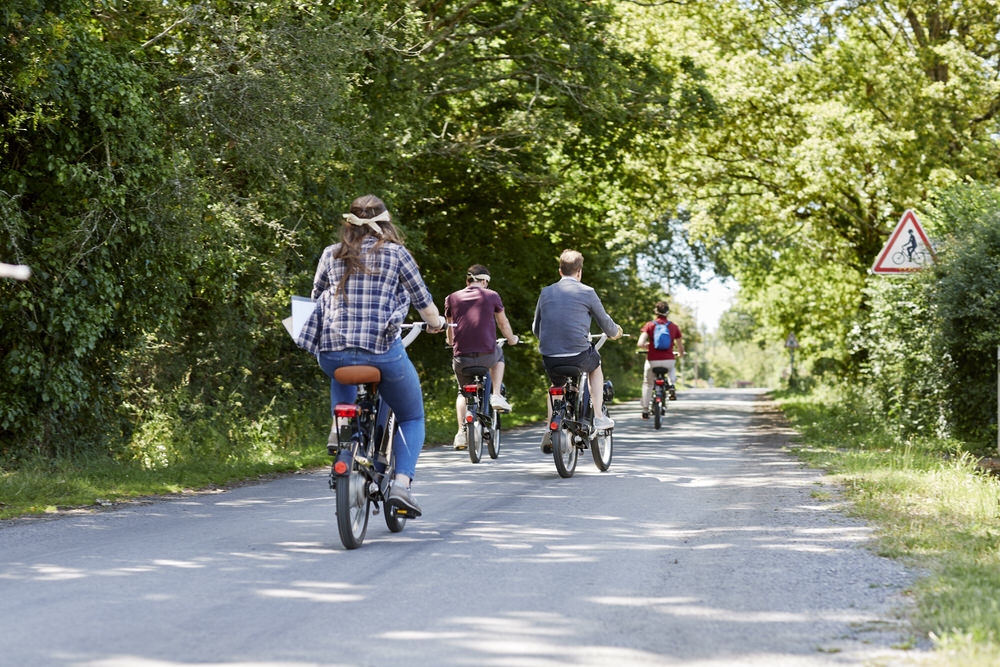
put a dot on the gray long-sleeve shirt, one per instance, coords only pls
(563, 315)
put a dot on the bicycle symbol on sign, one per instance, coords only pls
(911, 252)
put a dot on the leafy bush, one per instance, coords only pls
(903, 370)
(931, 338)
(966, 300)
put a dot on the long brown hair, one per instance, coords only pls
(352, 237)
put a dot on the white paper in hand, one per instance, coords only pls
(302, 308)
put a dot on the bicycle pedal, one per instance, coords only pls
(332, 450)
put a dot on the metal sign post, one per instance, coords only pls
(792, 344)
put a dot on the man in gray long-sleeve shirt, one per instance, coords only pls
(562, 323)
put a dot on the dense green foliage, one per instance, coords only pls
(831, 120)
(171, 172)
(932, 340)
(965, 294)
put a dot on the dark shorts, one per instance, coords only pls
(460, 363)
(587, 361)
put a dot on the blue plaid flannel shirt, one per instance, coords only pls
(377, 301)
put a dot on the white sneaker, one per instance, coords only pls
(461, 439)
(603, 423)
(498, 402)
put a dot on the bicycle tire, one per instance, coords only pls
(393, 521)
(474, 433)
(602, 446)
(564, 453)
(494, 443)
(353, 507)
(657, 411)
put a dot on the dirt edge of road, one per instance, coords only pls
(769, 427)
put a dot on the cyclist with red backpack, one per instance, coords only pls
(659, 337)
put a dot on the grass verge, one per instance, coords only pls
(171, 454)
(932, 506)
(48, 487)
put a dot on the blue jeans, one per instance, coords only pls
(400, 388)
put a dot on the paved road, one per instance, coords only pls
(704, 544)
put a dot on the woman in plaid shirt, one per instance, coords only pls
(364, 287)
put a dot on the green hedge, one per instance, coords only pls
(931, 338)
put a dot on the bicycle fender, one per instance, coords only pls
(347, 457)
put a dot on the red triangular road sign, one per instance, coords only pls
(907, 249)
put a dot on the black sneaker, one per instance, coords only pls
(547, 443)
(400, 498)
(645, 416)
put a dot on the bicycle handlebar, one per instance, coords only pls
(603, 337)
(415, 329)
(503, 341)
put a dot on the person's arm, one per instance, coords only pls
(679, 352)
(504, 325)
(535, 324)
(643, 342)
(450, 331)
(420, 296)
(321, 279)
(608, 325)
(434, 319)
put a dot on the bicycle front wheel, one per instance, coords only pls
(601, 446)
(494, 443)
(564, 452)
(353, 507)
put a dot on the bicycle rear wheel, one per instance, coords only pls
(474, 430)
(494, 443)
(601, 446)
(657, 412)
(353, 506)
(564, 452)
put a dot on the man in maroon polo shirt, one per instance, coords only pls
(477, 311)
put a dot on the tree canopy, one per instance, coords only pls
(831, 120)
(172, 170)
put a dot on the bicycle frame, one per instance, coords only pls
(659, 397)
(572, 424)
(363, 469)
(565, 410)
(481, 420)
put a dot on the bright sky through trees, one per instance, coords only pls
(709, 301)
